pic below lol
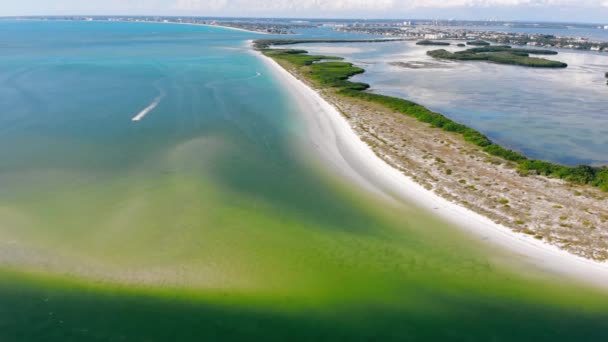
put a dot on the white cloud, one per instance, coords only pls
(566, 10)
(371, 5)
(285, 5)
(212, 5)
(549, 10)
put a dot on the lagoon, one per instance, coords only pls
(554, 115)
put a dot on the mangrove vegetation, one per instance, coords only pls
(432, 43)
(501, 55)
(268, 43)
(478, 43)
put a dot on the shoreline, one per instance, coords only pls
(222, 26)
(338, 144)
(149, 22)
(542, 199)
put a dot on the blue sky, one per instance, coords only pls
(547, 10)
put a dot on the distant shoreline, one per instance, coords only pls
(137, 22)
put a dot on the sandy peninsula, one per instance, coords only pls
(336, 141)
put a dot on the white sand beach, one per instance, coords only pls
(340, 147)
(222, 26)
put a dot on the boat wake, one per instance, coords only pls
(257, 74)
(150, 107)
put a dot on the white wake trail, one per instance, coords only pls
(150, 107)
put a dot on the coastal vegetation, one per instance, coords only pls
(537, 39)
(478, 43)
(300, 57)
(507, 48)
(501, 55)
(267, 43)
(336, 74)
(432, 42)
(460, 45)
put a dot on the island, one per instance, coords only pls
(432, 42)
(478, 43)
(501, 55)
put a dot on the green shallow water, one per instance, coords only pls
(206, 221)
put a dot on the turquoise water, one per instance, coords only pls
(557, 115)
(69, 92)
(206, 219)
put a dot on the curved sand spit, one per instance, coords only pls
(339, 146)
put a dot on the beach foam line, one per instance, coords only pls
(335, 141)
(150, 107)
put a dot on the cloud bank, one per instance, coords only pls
(549, 10)
(374, 5)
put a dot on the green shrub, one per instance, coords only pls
(499, 151)
(501, 54)
(432, 42)
(478, 43)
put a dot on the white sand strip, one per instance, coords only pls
(220, 26)
(338, 145)
(150, 108)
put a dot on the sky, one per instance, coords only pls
(595, 11)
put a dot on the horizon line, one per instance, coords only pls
(293, 18)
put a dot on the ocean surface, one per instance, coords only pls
(558, 115)
(156, 184)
